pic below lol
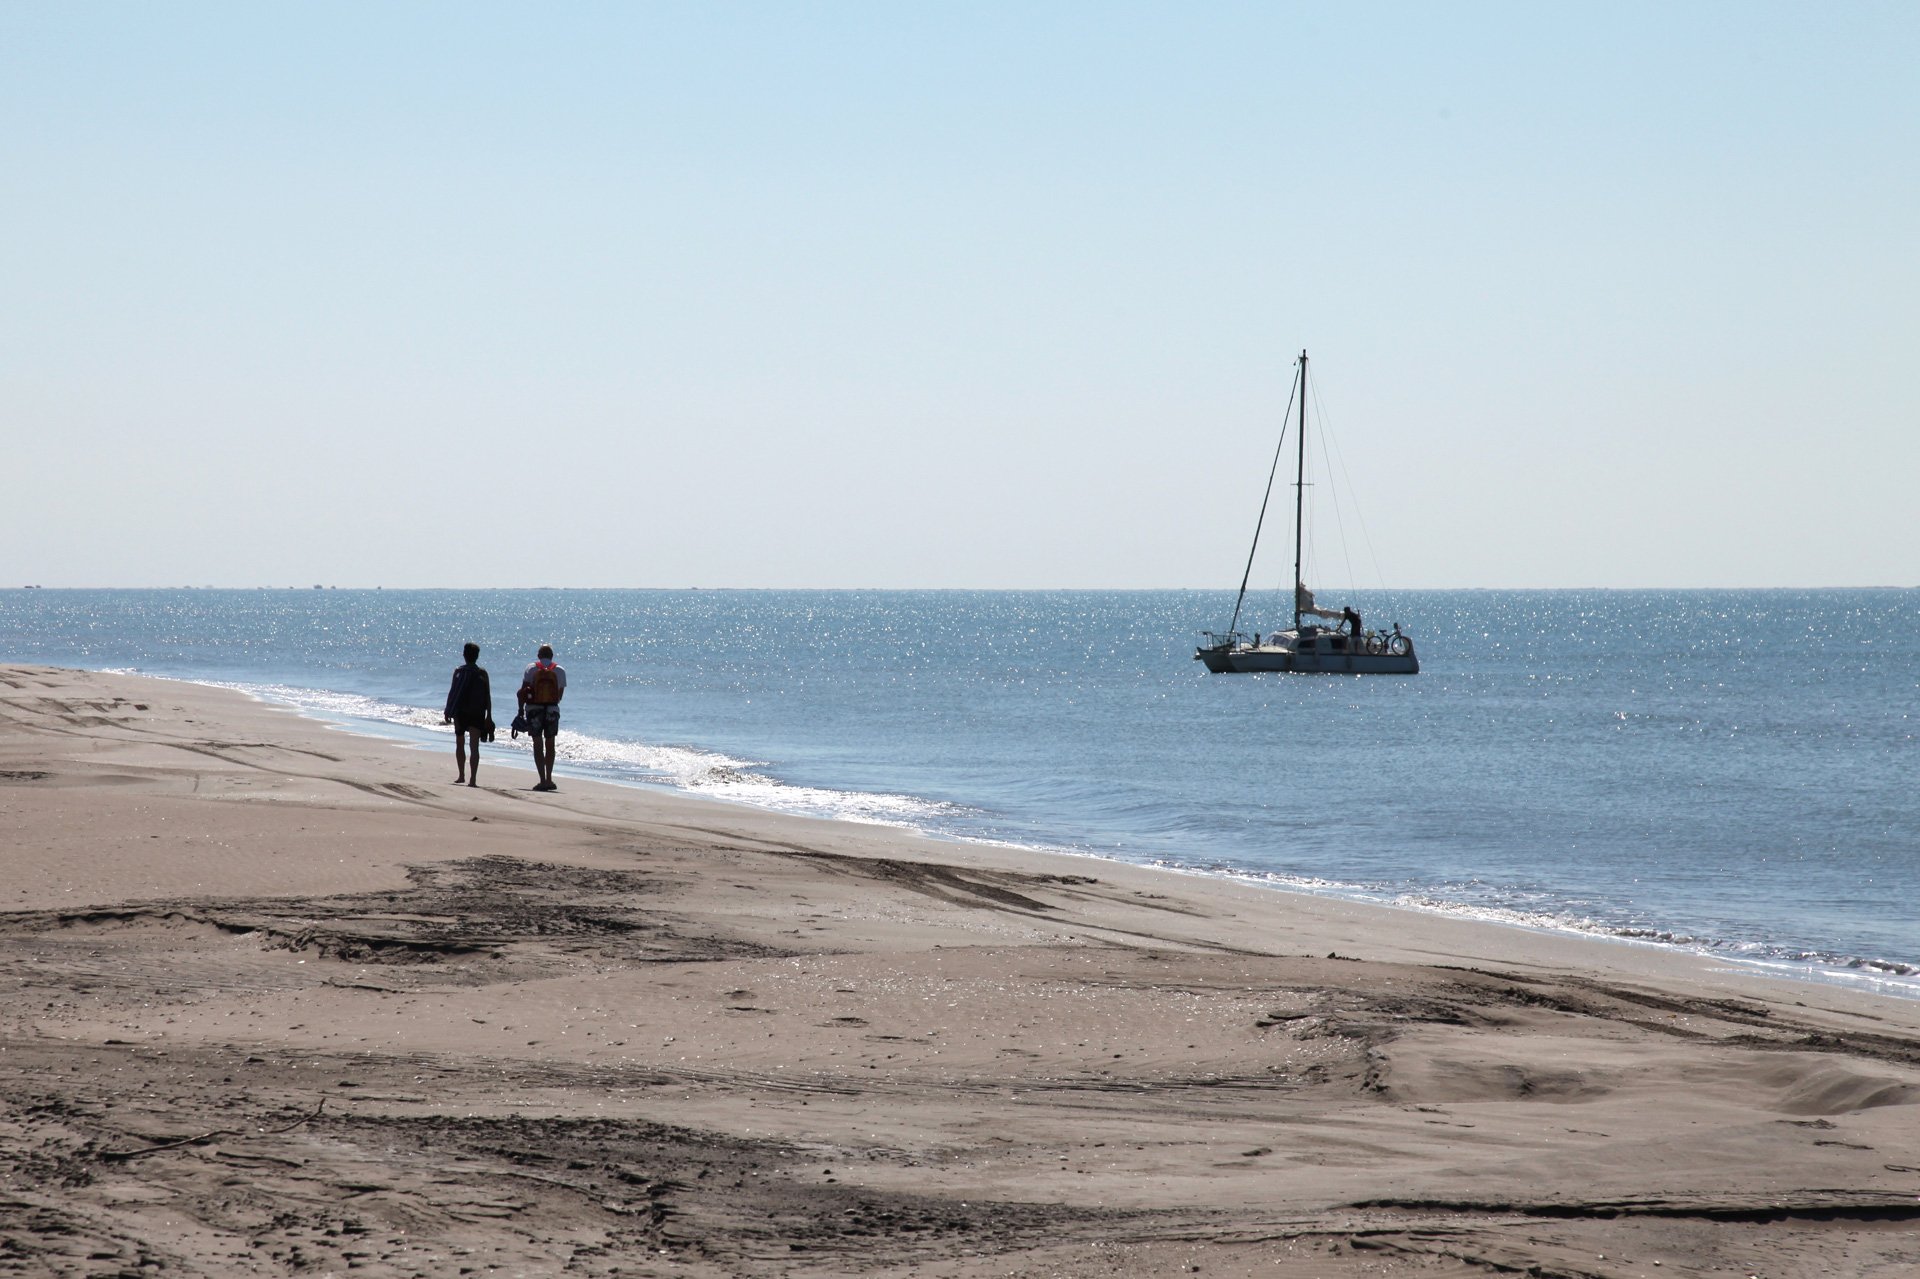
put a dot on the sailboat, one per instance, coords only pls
(1309, 648)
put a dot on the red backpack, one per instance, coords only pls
(546, 686)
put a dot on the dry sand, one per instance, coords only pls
(278, 999)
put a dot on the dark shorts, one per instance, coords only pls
(462, 724)
(543, 719)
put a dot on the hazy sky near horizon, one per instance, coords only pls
(983, 295)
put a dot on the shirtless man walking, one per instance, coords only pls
(541, 688)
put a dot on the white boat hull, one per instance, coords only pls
(1313, 654)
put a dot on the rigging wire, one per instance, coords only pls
(1336, 458)
(1309, 538)
(1339, 518)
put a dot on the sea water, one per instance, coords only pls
(1727, 771)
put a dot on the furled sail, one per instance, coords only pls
(1303, 600)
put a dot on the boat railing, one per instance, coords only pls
(1225, 639)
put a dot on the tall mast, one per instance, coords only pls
(1299, 492)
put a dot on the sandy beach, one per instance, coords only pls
(279, 999)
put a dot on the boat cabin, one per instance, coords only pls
(1314, 639)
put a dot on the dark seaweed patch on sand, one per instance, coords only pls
(469, 922)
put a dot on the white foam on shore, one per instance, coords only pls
(707, 773)
(1892, 975)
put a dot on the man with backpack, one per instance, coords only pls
(541, 689)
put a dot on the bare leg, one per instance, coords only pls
(459, 756)
(473, 758)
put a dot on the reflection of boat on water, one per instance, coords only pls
(1309, 648)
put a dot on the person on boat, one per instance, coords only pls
(1351, 620)
(541, 687)
(470, 711)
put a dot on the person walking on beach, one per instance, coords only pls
(470, 711)
(541, 689)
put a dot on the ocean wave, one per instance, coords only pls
(1890, 976)
(331, 705)
(1827, 965)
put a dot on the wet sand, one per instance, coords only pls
(277, 999)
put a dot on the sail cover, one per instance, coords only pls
(1303, 600)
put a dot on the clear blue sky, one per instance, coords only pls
(979, 295)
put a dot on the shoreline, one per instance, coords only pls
(276, 997)
(1884, 977)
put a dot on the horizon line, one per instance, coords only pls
(1142, 590)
